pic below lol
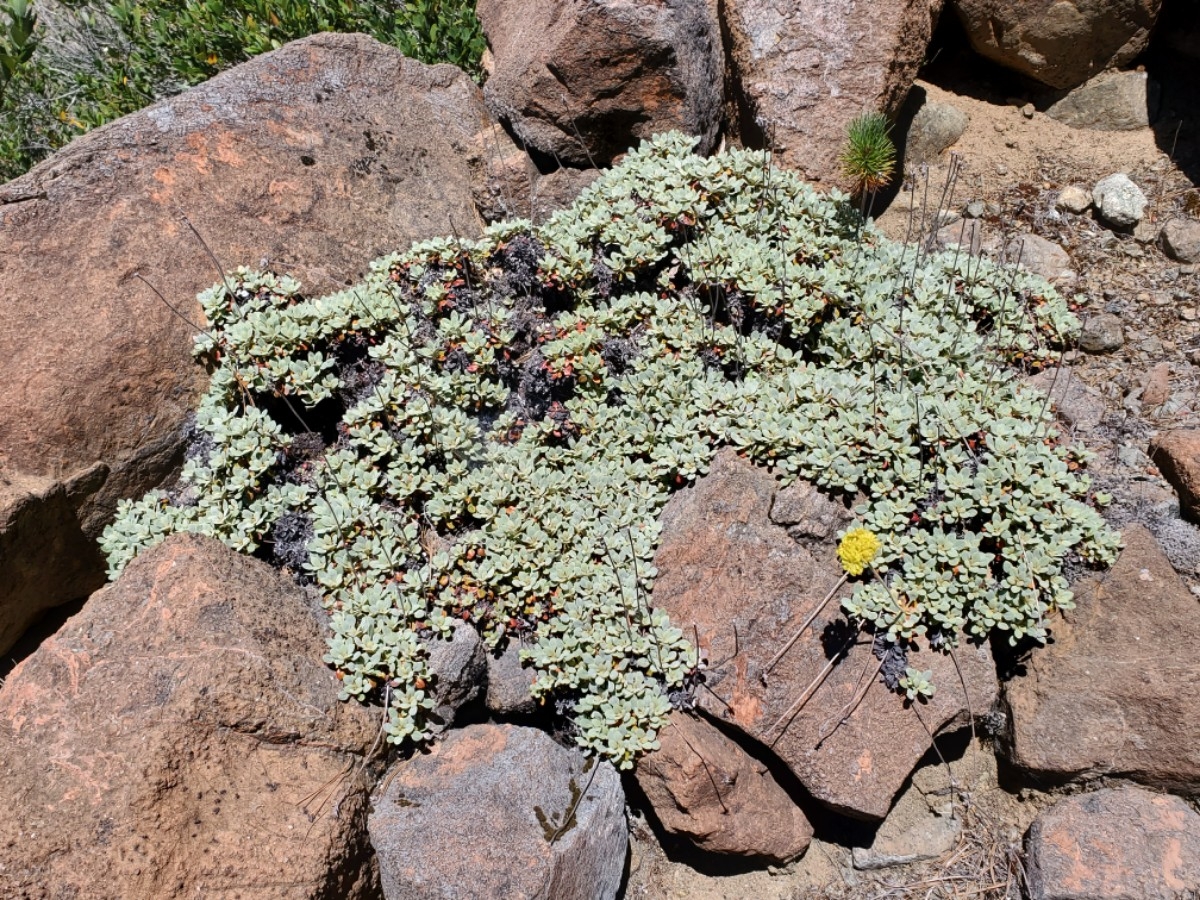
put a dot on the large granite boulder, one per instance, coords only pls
(1116, 693)
(742, 585)
(802, 69)
(500, 811)
(180, 737)
(310, 161)
(1062, 43)
(583, 81)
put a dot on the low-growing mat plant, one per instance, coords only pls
(487, 430)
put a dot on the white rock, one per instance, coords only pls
(1119, 201)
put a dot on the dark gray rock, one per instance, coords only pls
(508, 683)
(1102, 333)
(808, 512)
(1181, 240)
(459, 670)
(1112, 101)
(500, 811)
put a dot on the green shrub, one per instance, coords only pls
(102, 59)
(488, 430)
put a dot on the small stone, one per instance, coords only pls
(1114, 844)
(808, 512)
(1042, 257)
(976, 208)
(1128, 455)
(1145, 232)
(1119, 201)
(1001, 170)
(1073, 199)
(935, 127)
(1156, 387)
(509, 683)
(921, 826)
(1102, 334)
(1027, 110)
(992, 208)
(1181, 240)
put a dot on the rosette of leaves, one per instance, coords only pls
(487, 430)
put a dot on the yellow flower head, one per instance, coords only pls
(857, 549)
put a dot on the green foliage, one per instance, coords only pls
(17, 41)
(107, 58)
(869, 156)
(506, 418)
(916, 684)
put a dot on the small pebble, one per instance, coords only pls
(1102, 334)
(1027, 110)
(975, 209)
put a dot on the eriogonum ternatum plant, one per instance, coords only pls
(486, 430)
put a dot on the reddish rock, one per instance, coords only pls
(500, 811)
(1118, 690)
(1062, 44)
(1156, 386)
(802, 69)
(737, 581)
(706, 788)
(1041, 257)
(180, 737)
(1114, 844)
(582, 82)
(311, 161)
(1177, 455)
(508, 184)
(43, 550)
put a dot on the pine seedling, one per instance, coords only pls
(869, 156)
